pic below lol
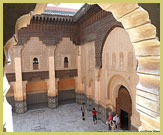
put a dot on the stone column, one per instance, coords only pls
(52, 91)
(20, 102)
(79, 81)
(97, 86)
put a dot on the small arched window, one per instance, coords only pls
(130, 59)
(121, 59)
(65, 62)
(35, 63)
(113, 60)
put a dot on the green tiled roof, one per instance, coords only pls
(53, 12)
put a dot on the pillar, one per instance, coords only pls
(52, 91)
(20, 101)
(97, 86)
(79, 81)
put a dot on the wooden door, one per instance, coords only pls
(123, 102)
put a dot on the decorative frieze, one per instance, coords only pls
(66, 73)
(28, 76)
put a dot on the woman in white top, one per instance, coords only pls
(116, 119)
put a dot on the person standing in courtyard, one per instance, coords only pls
(116, 120)
(83, 111)
(109, 120)
(94, 115)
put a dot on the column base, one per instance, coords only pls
(20, 107)
(53, 102)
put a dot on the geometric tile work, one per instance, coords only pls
(20, 107)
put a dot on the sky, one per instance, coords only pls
(69, 5)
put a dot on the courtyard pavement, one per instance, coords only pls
(65, 118)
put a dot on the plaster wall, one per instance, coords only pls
(65, 48)
(88, 68)
(119, 68)
(34, 48)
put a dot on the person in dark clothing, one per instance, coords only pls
(83, 111)
(94, 116)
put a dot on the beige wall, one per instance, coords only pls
(118, 68)
(88, 68)
(34, 48)
(66, 48)
(115, 62)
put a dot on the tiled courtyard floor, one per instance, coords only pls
(66, 118)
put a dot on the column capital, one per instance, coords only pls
(17, 50)
(79, 50)
(51, 50)
(97, 74)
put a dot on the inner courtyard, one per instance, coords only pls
(64, 58)
(66, 118)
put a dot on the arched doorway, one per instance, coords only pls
(124, 108)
